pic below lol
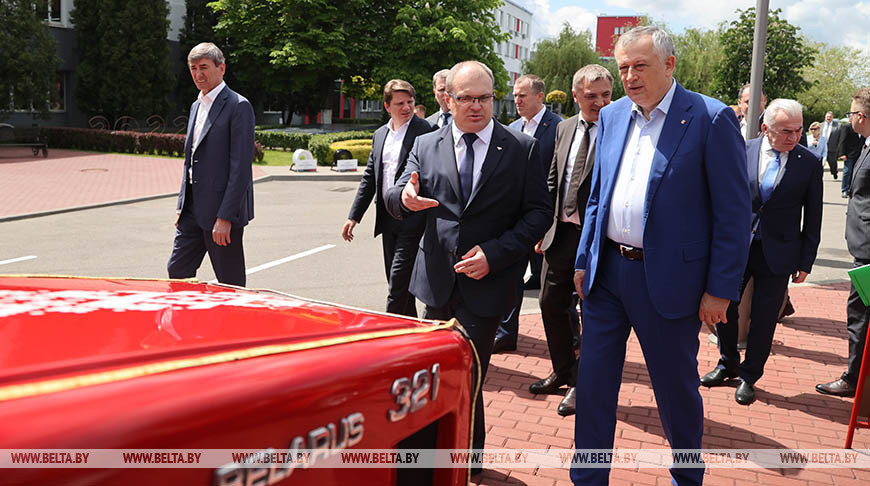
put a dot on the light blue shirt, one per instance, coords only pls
(821, 149)
(625, 222)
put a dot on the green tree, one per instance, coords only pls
(27, 58)
(696, 51)
(556, 61)
(124, 68)
(835, 75)
(787, 53)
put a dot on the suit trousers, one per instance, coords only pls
(857, 316)
(400, 251)
(509, 328)
(846, 182)
(557, 300)
(618, 302)
(832, 164)
(767, 298)
(192, 243)
(481, 330)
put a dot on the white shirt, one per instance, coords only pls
(205, 103)
(569, 166)
(390, 155)
(826, 129)
(743, 128)
(766, 157)
(625, 222)
(480, 146)
(531, 126)
(441, 113)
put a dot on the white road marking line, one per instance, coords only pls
(16, 260)
(281, 261)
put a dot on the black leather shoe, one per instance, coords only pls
(839, 387)
(501, 345)
(568, 404)
(550, 384)
(717, 377)
(745, 393)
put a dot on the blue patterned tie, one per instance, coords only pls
(769, 179)
(466, 179)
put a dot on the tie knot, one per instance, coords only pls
(469, 138)
(775, 153)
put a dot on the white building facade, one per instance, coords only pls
(516, 21)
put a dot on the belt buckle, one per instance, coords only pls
(626, 252)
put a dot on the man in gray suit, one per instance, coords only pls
(216, 200)
(569, 182)
(439, 89)
(858, 242)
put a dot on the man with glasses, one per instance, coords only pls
(484, 196)
(785, 182)
(858, 242)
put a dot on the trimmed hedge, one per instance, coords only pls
(123, 141)
(319, 146)
(282, 140)
(360, 149)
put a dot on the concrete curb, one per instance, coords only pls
(336, 177)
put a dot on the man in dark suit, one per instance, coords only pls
(785, 182)
(439, 89)
(850, 144)
(485, 201)
(858, 242)
(216, 200)
(569, 181)
(830, 129)
(390, 147)
(664, 243)
(536, 120)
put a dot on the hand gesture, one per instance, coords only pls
(410, 197)
(473, 264)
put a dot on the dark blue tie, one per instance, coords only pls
(768, 181)
(466, 169)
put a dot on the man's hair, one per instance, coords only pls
(662, 42)
(862, 97)
(536, 83)
(206, 50)
(829, 113)
(590, 73)
(789, 107)
(460, 65)
(747, 86)
(442, 74)
(395, 85)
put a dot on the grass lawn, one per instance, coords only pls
(277, 157)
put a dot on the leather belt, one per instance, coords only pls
(627, 252)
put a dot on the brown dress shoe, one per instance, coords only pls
(839, 387)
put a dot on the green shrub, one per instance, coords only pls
(359, 149)
(282, 140)
(319, 144)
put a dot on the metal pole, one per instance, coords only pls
(757, 74)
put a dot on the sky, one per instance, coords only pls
(834, 22)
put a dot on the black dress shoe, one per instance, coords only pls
(550, 384)
(839, 387)
(568, 404)
(745, 393)
(502, 345)
(717, 377)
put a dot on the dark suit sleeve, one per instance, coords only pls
(241, 159)
(728, 185)
(537, 215)
(393, 201)
(812, 229)
(366, 190)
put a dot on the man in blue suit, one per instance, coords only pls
(536, 120)
(484, 198)
(663, 246)
(391, 145)
(785, 181)
(216, 200)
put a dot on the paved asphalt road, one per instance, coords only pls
(292, 217)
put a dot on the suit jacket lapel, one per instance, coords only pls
(752, 158)
(378, 154)
(213, 113)
(493, 157)
(445, 152)
(676, 123)
(191, 123)
(542, 127)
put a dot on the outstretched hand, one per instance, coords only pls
(411, 198)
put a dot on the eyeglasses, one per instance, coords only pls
(814, 129)
(467, 100)
(850, 113)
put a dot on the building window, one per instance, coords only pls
(49, 10)
(370, 106)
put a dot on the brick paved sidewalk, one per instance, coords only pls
(809, 347)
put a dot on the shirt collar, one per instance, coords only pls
(402, 128)
(581, 122)
(765, 147)
(484, 135)
(212, 95)
(664, 105)
(538, 115)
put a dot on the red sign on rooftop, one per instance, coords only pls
(609, 29)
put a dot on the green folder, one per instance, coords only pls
(861, 280)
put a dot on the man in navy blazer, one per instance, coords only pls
(216, 199)
(785, 182)
(536, 120)
(663, 246)
(484, 198)
(390, 147)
